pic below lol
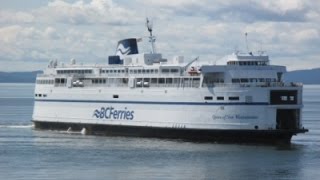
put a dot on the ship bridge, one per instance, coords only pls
(245, 59)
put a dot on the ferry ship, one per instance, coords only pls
(241, 98)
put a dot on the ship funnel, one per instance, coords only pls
(126, 47)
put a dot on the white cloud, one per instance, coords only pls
(16, 17)
(89, 30)
(80, 12)
(283, 6)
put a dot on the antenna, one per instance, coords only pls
(152, 39)
(149, 25)
(246, 36)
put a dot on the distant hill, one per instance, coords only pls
(311, 76)
(18, 77)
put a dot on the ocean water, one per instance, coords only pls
(29, 154)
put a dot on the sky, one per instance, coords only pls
(34, 32)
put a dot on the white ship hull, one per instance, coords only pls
(175, 110)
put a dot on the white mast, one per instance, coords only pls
(246, 36)
(152, 39)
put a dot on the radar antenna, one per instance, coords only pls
(246, 36)
(152, 39)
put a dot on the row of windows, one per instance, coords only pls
(247, 80)
(168, 80)
(99, 81)
(221, 98)
(118, 71)
(248, 63)
(152, 80)
(148, 82)
(75, 71)
(170, 70)
(45, 81)
(139, 71)
(40, 95)
(60, 81)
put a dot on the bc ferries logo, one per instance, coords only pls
(112, 113)
(121, 50)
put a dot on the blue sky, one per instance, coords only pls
(36, 31)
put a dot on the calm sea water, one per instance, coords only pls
(29, 154)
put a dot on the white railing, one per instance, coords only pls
(260, 84)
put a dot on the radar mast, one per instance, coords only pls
(152, 39)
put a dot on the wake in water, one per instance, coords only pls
(17, 126)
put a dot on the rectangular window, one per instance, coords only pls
(196, 82)
(161, 80)
(235, 80)
(284, 98)
(243, 80)
(115, 96)
(234, 98)
(165, 70)
(208, 98)
(176, 81)
(174, 70)
(169, 80)
(220, 98)
(291, 98)
(154, 80)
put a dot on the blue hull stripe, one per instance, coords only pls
(152, 102)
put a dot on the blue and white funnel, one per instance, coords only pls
(126, 47)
